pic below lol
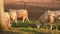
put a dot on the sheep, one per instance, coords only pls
(6, 25)
(21, 13)
(13, 16)
(47, 16)
(51, 18)
(57, 15)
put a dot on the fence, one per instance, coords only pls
(35, 10)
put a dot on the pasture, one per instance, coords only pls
(30, 28)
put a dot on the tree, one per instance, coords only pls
(2, 20)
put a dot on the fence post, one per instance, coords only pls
(25, 5)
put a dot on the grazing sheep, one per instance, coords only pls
(6, 24)
(57, 15)
(13, 15)
(43, 19)
(22, 13)
(51, 18)
(48, 16)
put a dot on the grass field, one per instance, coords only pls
(30, 28)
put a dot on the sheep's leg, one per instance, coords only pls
(27, 19)
(23, 19)
(51, 21)
(51, 26)
(16, 21)
(8, 23)
(56, 26)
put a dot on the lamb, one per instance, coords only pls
(13, 15)
(6, 25)
(21, 13)
(44, 18)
